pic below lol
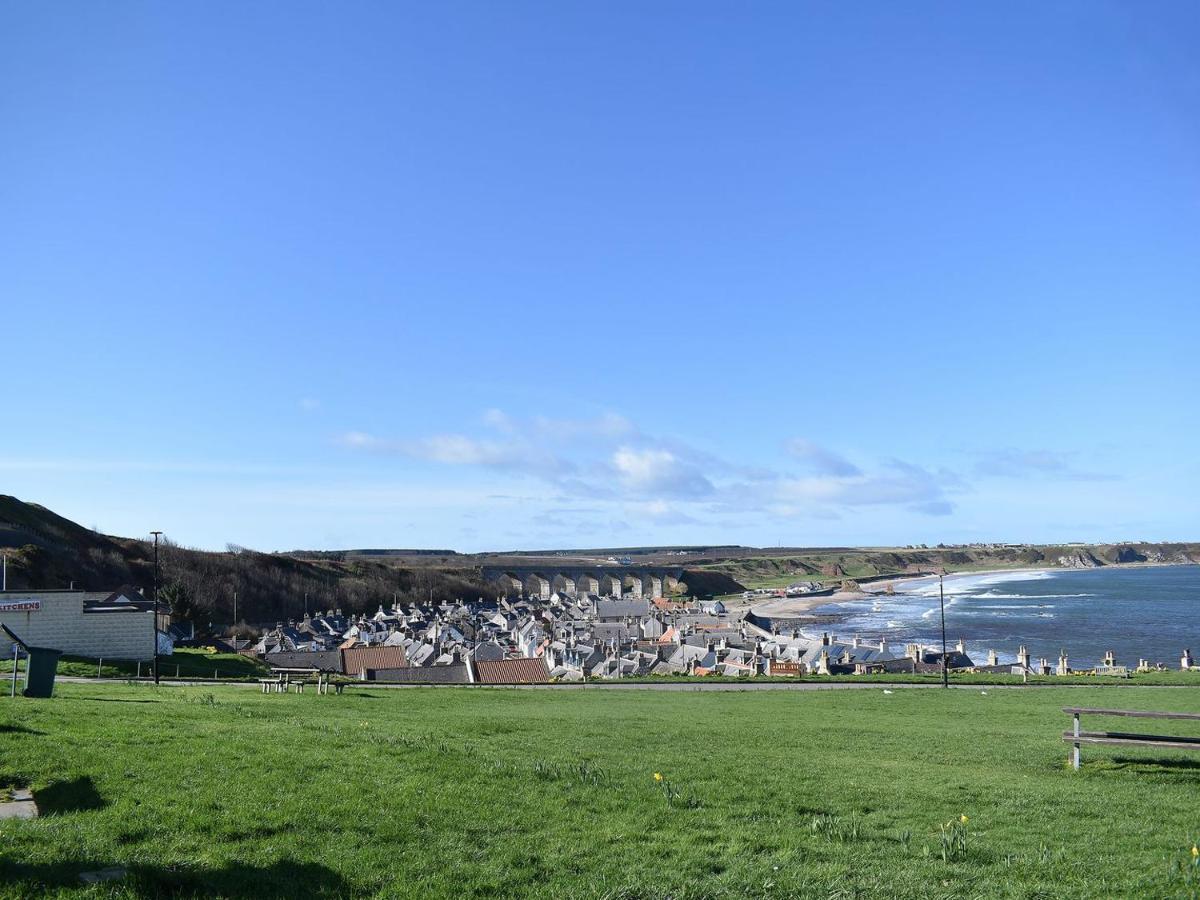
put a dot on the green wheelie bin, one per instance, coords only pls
(40, 668)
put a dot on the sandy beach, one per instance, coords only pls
(788, 607)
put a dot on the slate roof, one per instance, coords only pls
(452, 674)
(126, 599)
(489, 651)
(616, 609)
(325, 660)
(512, 671)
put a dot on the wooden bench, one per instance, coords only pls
(1076, 737)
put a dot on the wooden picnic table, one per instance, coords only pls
(1076, 736)
(283, 680)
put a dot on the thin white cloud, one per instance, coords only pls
(1010, 462)
(659, 472)
(607, 426)
(896, 483)
(460, 450)
(820, 459)
(661, 512)
(607, 461)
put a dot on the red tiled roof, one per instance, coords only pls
(355, 659)
(512, 671)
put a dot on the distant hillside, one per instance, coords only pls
(48, 551)
(769, 567)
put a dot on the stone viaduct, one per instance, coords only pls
(616, 581)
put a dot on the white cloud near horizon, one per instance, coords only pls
(611, 464)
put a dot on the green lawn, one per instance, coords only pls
(184, 663)
(503, 793)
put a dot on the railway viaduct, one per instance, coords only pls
(606, 581)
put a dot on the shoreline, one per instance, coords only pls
(802, 607)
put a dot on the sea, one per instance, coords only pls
(1150, 613)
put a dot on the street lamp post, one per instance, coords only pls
(942, 604)
(154, 617)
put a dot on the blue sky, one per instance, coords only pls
(483, 275)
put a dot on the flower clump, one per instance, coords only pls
(954, 838)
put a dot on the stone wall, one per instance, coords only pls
(61, 623)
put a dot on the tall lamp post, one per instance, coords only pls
(942, 604)
(154, 617)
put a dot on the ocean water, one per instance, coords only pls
(1148, 613)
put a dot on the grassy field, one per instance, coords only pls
(502, 793)
(183, 663)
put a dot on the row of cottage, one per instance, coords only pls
(570, 638)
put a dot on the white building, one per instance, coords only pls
(116, 625)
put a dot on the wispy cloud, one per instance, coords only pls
(895, 483)
(1047, 464)
(606, 426)
(461, 450)
(820, 459)
(609, 464)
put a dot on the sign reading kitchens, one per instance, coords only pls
(19, 605)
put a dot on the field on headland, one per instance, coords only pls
(227, 792)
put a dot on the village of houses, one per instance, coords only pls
(547, 638)
(574, 638)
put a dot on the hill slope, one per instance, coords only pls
(49, 551)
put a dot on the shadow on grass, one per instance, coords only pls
(116, 700)
(1174, 769)
(18, 729)
(279, 881)
(78, 795)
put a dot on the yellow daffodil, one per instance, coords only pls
(1195, 851)
(658, 776)
(963, 818)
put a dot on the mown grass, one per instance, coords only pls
(1154, 678)
(506, 793)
